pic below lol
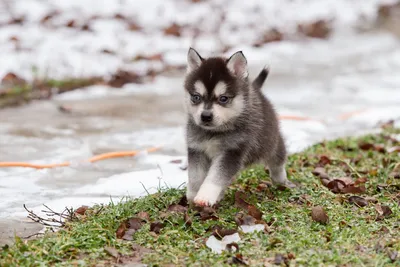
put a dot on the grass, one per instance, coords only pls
(354, 236)
(22, 92)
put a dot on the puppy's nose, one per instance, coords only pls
(206, 116)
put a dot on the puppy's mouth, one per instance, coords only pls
(207, 125)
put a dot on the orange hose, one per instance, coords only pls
(347, 115)
(104, 156)
(296, 118)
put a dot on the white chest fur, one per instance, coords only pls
(210, 147)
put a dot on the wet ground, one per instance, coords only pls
(320, 80)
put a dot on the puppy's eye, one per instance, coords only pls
(223, 99)
(196, 99)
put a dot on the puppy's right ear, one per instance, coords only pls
(194, 60)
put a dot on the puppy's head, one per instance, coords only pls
(216, 89)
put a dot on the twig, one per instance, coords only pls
(29, 236)
(148, 193)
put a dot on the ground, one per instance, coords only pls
(345, 212)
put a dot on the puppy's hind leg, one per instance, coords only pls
(198, 166)
(276, 166)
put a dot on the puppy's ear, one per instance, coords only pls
(237, 64)
(193, 59)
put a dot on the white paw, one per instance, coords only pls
(208, 195)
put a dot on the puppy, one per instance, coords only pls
(230, 126)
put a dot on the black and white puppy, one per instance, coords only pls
(230, 126)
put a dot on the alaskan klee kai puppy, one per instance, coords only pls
(230, 126)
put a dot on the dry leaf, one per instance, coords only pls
(81, 210)
(324, 160)
(143, 215)
(254, 212)
(121, 77)
(319, 171)
(188, 220)
(177, 208)
(156, 227)
(238, 259)
(393, 149)
(112, 251)
(359, 201)
(318, 29)
(361, 180)
(318, 214)
(395, 173)
(354, 189)
(272, 35)
(220, 232)
(121, 230)
(174, 30)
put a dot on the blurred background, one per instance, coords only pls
(80, 78)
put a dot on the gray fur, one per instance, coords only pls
(217, 152)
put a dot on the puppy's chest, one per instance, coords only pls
(211, 147)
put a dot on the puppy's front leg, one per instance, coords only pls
(198, 165)
(223, 169)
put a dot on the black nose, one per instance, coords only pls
(206, 116)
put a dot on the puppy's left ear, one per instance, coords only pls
(237, 64)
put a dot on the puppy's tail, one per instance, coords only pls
(260, 79)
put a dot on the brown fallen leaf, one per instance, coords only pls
(208, 213)
(132, 26)
(176, 161)
(121, 230)
(361, 180)
(383, 211)
(354, 189)
(121, 77)
(177, 208)
(232, 247)
(112, 251)
(243, 219)
(386, 211)
(318, 214)
(220, 232)
(240, 201)
(81, 210)
(392, 255)
(393, 149)
(135, 223)
(254, 212)
(323, 160)
(156, 227)
(188, 220)
(155, 57)
(369, 146)
(238, 260)
(12, 79)
(174, 30)
(321, 172)
(358, 201)
(70, 24)
(318, 29)
(128, 227)
(280, 258)
(143, 215)
(272, 35)
(395, 173)
(49, 16)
